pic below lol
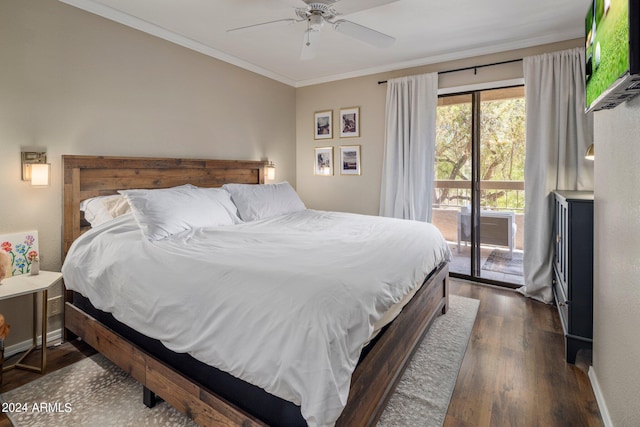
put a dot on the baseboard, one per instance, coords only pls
(604, 412)
(52, 336)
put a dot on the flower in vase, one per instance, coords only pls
(32, 256)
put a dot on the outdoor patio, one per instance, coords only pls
(495, 261)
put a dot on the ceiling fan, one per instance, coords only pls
(317, 12)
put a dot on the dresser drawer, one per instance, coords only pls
(559, 281)
(562, 303)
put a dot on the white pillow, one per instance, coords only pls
(98, 210)
(259, 201)
(163, 212)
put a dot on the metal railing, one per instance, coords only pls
(496, 195)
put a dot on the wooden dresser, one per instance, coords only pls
(573, 268)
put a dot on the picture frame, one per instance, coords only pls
(323, 161)
(323, 124)
(349, 122)
(350, 160)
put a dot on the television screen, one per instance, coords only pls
(607, 47)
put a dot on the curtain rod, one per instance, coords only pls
(474, 68)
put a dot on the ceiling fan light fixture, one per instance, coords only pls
(316, 21)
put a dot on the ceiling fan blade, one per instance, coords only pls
(362, 33)
(309, 44)
(278, 22)
(345, 7)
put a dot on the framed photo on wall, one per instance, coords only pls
(323, 161)
(349, 122)
(350, 160)
(323, 124)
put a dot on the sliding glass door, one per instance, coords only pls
(479, 183)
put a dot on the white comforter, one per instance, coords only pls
(284, 303)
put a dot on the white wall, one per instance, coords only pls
(616, 340)
(75, 83)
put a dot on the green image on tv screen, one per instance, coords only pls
(607, 45)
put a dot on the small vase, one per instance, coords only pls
(35, 268)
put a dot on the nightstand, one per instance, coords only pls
(26, 284)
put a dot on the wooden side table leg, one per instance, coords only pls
(43, 355)
(43, 360)
(34, 300)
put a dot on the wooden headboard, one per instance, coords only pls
(91, 176)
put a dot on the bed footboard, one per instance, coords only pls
(377, 376)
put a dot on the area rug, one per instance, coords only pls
(95, 392)
(423, 394)
(502, 262)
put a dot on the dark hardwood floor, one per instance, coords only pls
(513, 373)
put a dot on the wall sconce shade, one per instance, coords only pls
(30, 158)
(590, 155)
(40, 174)
(271, 171)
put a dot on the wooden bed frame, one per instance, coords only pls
(375, 377)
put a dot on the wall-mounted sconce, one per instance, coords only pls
(40, 174)
(35, 168)
(590, 155)
(271, 171)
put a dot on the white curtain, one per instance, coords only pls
(558, 135)
(408, 165)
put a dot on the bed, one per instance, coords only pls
(184, 381)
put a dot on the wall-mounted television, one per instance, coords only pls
(612, 42)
